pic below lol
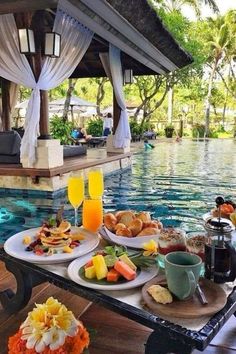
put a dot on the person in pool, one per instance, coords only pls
(148, 146)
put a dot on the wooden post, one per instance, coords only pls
(6, 116)
(116, 113)
(38, 28)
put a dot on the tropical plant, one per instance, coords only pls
(177, 5)
(219, 40)
(61, 130)
(95, 126)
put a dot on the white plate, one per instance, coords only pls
(208, 216)
(14, 247)
(144, 276)
(133, 242)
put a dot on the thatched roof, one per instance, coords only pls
(138, 24)
(140, 14)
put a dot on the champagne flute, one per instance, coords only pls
(76, 192)
(92, 216)
(95, 183)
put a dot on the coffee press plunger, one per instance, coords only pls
(219, 248)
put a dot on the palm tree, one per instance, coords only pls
(220, 41)
(177, 5)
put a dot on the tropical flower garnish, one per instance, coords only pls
(50, 328)
(150, 248)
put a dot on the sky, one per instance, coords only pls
(224, 6)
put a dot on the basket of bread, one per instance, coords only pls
(131, 228)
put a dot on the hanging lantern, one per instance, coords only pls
(26, 41)
(52, 44)
(128, 76)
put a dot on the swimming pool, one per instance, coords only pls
(176, 182)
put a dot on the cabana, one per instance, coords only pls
(98, 38)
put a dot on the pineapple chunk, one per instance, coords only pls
(27, 240)
(128, 261)
(90, 272)
(100, 266)
(67, 249)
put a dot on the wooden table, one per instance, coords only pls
(166, 336)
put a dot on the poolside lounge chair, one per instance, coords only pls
(10, 147)
(74, 150)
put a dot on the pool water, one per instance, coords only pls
(176, 182)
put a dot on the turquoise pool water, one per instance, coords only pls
(176, 182)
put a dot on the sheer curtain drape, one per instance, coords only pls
(75, 40)
(122, 136)
(113, 69)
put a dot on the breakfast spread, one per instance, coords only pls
(132, 224)
(52, 238)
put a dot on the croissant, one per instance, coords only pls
(124, 231)
(144, 216)
(148, 231)
(110, 221)
(135, 226)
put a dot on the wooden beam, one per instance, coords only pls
(116, 113)
(14, 6)
(6, 117)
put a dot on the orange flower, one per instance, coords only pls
(72, 345)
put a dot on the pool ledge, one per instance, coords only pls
(54, 179)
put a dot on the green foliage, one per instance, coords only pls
(61, 130)
(198, 130)
(135, 127)
(95, 127)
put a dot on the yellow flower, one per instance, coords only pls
(150, 248)
(48, 325)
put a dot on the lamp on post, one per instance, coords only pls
(128, 76)
(52, 44)
(26, 41)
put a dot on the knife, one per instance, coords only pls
(201, 295)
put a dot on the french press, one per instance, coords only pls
(220, 255)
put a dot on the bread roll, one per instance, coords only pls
(135, 226)
(148, 231)
(124, 231)
(126, 218)
(144, 216)
(154, 223)
(119, 226)
(110, 221)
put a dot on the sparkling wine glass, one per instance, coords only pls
(95, 183)
(76, 192)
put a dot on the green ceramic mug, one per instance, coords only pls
(182, 273)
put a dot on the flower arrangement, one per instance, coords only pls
(49, 329)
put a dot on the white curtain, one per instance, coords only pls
(122, 135)
(75, 40)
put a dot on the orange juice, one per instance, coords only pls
(95, 183)
(92, 214)
(76, 190)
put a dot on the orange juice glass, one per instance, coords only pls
(92, 214)
(76, 191)
(95, 183)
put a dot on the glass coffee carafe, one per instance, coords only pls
(220, 254)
